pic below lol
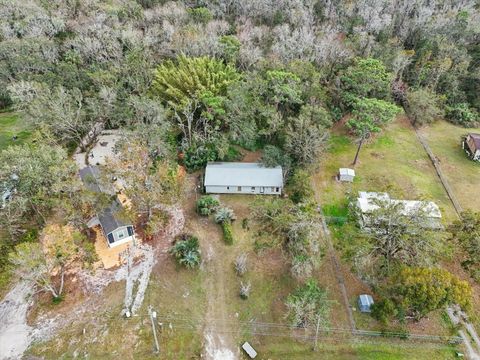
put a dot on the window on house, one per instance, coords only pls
(273, 189)
(277, 189)
(239, 188)
(228, 187)
(253, 188)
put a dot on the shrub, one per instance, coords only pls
(245, 290)
(206, 205)
(224, 214)
(201, 15)
(300, 187)
(461, 114)
(196, 157)
(186, 251)
(241, 264)
(227, 233)
(383, 310)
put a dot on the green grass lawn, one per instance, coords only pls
(12, 125)
(462, 173)
(358, 349)
(393, 162)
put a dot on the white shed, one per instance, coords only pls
(346, 174)
(365, 303)
(242, 178)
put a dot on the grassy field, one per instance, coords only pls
(463, 174)
(11, 125)
(393, 162)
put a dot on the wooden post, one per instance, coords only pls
(157, 346)
(316, 334)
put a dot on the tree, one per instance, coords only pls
(393, 235)
(46, 178)
(186, 251)
(466, 232)
(300, 186)
(176, 83)
(308, 305)
(424, 106)
(61, 111)
(418, 291)
(462, 114)
(147, 183)
(369, 115)
(33, 264)
(305, 136)
(366, 78)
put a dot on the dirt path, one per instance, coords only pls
(15, 334)
(219, 341)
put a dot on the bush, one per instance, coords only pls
(384, 310)
(461, 114)
(186, 251)
(200, 15)
(206, 205)
(300, 187)
(196, 157)
(224, 214)
(227, 233)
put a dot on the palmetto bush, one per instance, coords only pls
(224, 214)
(186, 251)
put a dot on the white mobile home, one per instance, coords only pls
(368, 202)
(242, 178)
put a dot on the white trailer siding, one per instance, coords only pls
(262, 190)
(243, 178)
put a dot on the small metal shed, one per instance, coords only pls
(365, 302)
(346, 174)
(249, 350)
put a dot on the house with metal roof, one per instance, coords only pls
(471, 145)
(242, 178)
(115, 227)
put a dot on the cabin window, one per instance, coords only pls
(239, 188)
(277, 189)
(273, 189)
(253, 188)
(228, 187)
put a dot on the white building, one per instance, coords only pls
(242, 178)
(346, 174)
(367, 202)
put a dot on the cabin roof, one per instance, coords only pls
(242, 174)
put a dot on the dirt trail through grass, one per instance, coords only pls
(219, 342)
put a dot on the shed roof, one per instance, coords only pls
(365, 299)
(347, 171)
(242, 174)
(476, 139)
(249, 350)
(110, 217)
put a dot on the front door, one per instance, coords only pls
(262, 190)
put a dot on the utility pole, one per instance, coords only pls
(316, 333)
(153, 316)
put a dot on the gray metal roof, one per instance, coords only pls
(110, 217)
(242, 174)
